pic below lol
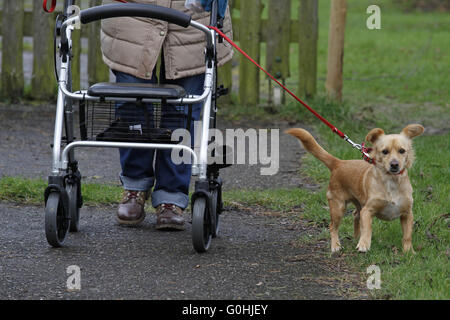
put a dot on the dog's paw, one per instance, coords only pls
(408, 249)
(362, 246)
(335, 246)
(336, 249)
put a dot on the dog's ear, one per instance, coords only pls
(374, 134)
(413, 130)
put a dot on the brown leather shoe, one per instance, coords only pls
(169, 217)
(131, 208)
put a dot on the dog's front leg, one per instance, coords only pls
(337, 210)
(365, 223)
(407, 222)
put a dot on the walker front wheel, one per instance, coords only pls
(57, 220)
(201, 226)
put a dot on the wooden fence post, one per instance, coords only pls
(335, 64)
(225, 72)
(225, 78)
(278, 38)
(249, 37)
(97, 69)
(308, 21)
(43, 84)
(76, 61)
(12, 50)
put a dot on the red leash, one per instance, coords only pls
(365, 151)
(333, 128)
(52, 7)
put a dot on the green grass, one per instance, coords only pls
(407, 61)
(31, 192)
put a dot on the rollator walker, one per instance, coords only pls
(141, 124)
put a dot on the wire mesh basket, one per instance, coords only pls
(132, 121)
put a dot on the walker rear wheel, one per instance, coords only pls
(215, 213)
(74, 210)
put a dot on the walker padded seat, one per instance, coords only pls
(136, 90)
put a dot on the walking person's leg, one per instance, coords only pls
(170, 195)
(137, 174)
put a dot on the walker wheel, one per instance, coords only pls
(56, 220)
(74, 210)
(201, 225)
(215, 214)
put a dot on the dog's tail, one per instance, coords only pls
(311, 145)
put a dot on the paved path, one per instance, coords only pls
(255, 257)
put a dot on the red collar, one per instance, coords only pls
(365, 153)
(400, 173)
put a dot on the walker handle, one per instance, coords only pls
(135, 10)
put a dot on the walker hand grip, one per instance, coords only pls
(135, 10)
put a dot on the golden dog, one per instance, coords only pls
(381, 189)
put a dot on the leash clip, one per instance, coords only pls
(365, 151)
(361, 147)
(354, 145)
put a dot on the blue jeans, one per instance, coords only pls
(170, 181)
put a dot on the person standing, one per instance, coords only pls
(131, 47)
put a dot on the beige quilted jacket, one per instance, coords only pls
(133, 45)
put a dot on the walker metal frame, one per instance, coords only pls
(63, 197)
